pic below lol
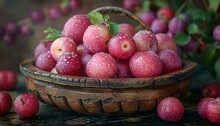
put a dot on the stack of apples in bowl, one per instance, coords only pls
(102, 67)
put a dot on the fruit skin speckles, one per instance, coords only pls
(213, 111)
(102, 65)
(170, 59)
(165, 42)
(45, 62)
(202, 105)
(145, 41)
(127, 29)
(170, 109)
(145, 64)
(121, 46)
(26, 105)
(62, 45)
(96, 37)
(69, 64)
(42, 48)
(75, 27)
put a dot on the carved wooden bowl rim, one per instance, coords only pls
(28, 69)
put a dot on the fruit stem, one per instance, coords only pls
(22, 100)
(181, 8)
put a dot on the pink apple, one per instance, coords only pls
(145, 64)
(165, 42)
(210, 90)
(69, 64)
(202, 105)
(213, 111)
(121, 46)
(82, 51)
(96, 37)
(5, 102)
(102, 65)
(8, 79)
(62, 45)
(26, 105)
(170, 109)
(75, 27)
(85, 59)
(127, 29)
(42, 48)
(45, 62)
(123, 69)
(145, 41)
(170, 59)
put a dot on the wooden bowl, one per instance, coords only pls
(97, 96)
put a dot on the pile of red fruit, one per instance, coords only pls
(180, 24)
(93, 50)
(25, 105)
(209, 108)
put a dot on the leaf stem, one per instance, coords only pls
(181, 8)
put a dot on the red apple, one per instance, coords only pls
(123, 70)
(69, 64)
(102, 65)
(145, 64)
(26, 105)
(45, 62)
(42, 48)
(8, 79)
(85, 59)
(127, 29)
(210, 90)
(82, 51)
(170, 59)
(121, 46)
(165, 42)
(213, 111)
(96, 37)
(61, 46)
(202, 106)
(5, 103)
(170, 109)
(75, 27)
(145, 41)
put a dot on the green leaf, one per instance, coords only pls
(209, 52)
(96, 17)
(160, 3)
(196, 14)
(194, 29)
(52, 34)
(217, 69)
(114, 28)
(145, 6)
(182, 39)
(64, 3)
(213, 5)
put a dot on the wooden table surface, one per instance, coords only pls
(53, 116)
